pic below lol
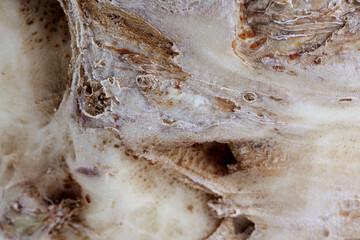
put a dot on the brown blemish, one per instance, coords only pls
(227, 105)
(246, 34)
(87, 198)
(257, 43)
(294, 56)
(129, 26)
(156, 62)
(168, 121)
(190, 207)
(318, 60)
(345, 100)
(29, 21)
(293, 73)
(275, 98)
(344, 213)
(95, 100)
(153, 66)
(249, 97)
(234, 45)
(70, 183)
(279, 68)
(326, 232)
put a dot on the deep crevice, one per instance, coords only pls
(243, 226)
(219, 155)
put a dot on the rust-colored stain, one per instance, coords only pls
(294, 56)
(318, 60)
(275, 98)
(227, 105)
(246, 34)
(87, 198)
(190, 208)
(279, 68)
(130, 26)
(257, 44)
(345, 100)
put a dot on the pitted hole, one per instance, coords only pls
(218, 155)
(243, 226)
(250, 97)
(207, 158)
(146, 82)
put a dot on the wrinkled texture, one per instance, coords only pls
(252, 106)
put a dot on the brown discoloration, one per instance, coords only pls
(249, 97)
(29, 21)
(169, 121)
(156, 62)
(123, 24)
(345, 100)
(206, 159)
(318, 60)
(284, 29)
(294, 56)
(87, 198)
(55, 66)
(345, 213)
(190, 208)
(121, 51)
(278, 68)
(275, 99)
(257, 43)
(227, 105)
(151, 65)
(246, 34)
(92, 95)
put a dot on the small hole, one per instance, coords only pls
(146, 81)
(220, 155)
(250, 97)
(212, 157)
(244, 226)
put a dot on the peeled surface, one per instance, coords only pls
(179, 119)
